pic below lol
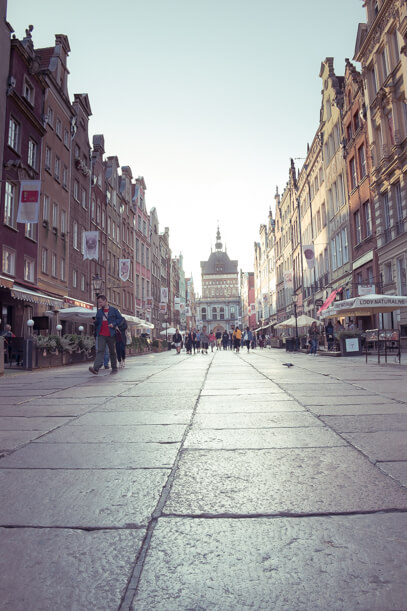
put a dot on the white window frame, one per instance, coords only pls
(13, 139)
(44, 261)
(45, 208)
(75, 235)
(32, 156)
(10, 205)
(9, 261)
(29, 269)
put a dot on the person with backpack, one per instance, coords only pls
(107, 320)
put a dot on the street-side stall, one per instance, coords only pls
(367, 306)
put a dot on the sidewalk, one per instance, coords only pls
(225, 481)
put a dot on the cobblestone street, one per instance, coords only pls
(221, 481)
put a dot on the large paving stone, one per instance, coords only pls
(274, 403)
(358, 409)
(65, 569)
(27, 410)
(92, 456)
(383, 445)
(115, 434)
(62, 402)
(254, 420)
(147, 390)
(10, 440)
(96, 389)
(341, 400)
(367, 424)
(153, 403)
(398, 470)
(281, 481)
(116, 418)
(15, 423)
(79, 498)
(263, 438)
(339, 563)
(247, 392)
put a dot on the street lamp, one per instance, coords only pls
(295, 297)
(97, 283)
(30, 324)
(81, 329)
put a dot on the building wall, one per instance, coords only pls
(380, 49)
(53, 226)
(79, 284)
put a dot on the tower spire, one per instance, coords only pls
(218, 244)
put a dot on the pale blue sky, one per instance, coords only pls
(208, 99)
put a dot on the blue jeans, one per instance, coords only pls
(314, 346)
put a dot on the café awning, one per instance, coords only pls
(5, 282)
(20, 292)
(328, 301)
(366, 305)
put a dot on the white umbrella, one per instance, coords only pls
(290, 322)
(304, 321)
(169, 331)
(77, 313)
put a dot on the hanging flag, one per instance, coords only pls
(289, 279)
(149, 302)
(91, 245)
(177, 304)
(252, 309)
(124, 269)
(187, 311)
(164, 295)
(309, 255)
(29, 203)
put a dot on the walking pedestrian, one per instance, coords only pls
(248, 337)
(218, 339)
(237, 337)
(177, 339)
(329, 330)
(8, 343)
(212, 339)
(198, 342)
(106, 321)
(204, 341)
(225, 340)
(313, 334)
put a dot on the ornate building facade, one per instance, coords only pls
(219, 306)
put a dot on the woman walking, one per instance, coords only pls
(313, 334)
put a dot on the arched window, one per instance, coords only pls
(214, 313)
(222, 313)
(203, 312)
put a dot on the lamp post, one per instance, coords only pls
(295, 316)
(97, 283)
(81, 329)
(59, 329)
(28, 347)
